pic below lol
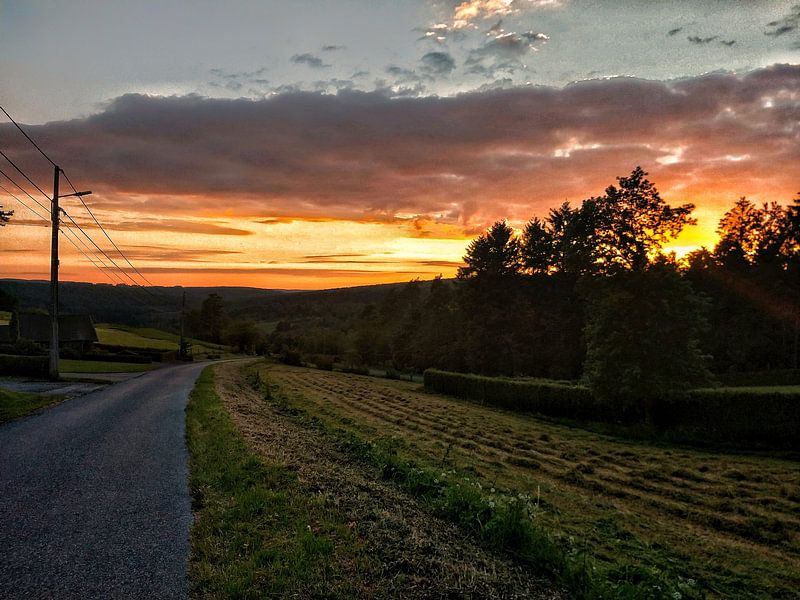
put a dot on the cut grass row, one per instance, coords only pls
(257, 532)
(727, 521)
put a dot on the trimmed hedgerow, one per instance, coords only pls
(31, 366)
(549, 398)
(741, 416)
(748, 416)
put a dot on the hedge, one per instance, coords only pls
(554, 399)
(741, 417)
(31, 366)
(760, 378)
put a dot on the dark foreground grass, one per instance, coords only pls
(257, 532)
(18, 404)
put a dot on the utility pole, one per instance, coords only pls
(54, 217)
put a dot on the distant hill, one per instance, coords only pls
(160, 306)
(156, 307)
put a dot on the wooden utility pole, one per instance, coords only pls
(54, 217)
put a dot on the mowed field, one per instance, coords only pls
(724, 524)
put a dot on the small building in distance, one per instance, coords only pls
(76, 332)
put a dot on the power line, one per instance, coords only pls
(21, 172)
(63, 232)
(22, 131)
(43, 207)
(2, 187)
(89, 210)
(105, 267)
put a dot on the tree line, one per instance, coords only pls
(588, 292)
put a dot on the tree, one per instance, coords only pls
(635, 223)
(5, 216)
(495, 254)
(212, 317)
(642, 334)
(750, 235)
(621, 230)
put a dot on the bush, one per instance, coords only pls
(775, 377)
(743, 417)
(291, 357)
(30, 366)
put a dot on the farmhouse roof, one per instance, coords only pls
(71, 328)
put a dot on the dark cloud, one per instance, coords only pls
(315, 62)
(503, 53)
(695, 39)
(727, 42)
(464, 159)
(332, 48)
(675, 31)
(438, 64)
(236, 81)
(788, 24)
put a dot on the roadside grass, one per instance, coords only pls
(615, 518)
(257, 532)
(14, 405)
(66, 365)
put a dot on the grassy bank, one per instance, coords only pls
(257, 532)
(18, 404)
(615, 518)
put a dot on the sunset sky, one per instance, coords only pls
(315, 144)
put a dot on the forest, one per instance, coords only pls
(584, 293)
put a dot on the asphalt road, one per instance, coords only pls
(94, 499)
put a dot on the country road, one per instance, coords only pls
(94, 501)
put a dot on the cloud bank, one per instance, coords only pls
(456, 161)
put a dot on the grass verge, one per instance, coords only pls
(257, 532)
(66, 365)
(14, 405)
(643, 520)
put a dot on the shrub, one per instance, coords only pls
(291, 357)
(744, 417)
(775, 377)
(31, 366)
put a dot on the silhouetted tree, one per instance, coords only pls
(635, 222)
(494, 254)
(621, 230)
(244, 336)
(642, 334)
(212, 317)
(5, 215)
